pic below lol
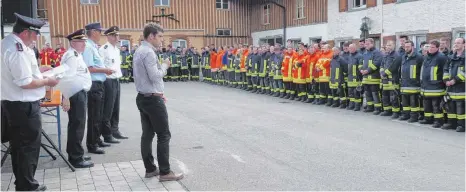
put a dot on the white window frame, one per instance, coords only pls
(161, 3)
(89, 2)
(222, 2)
(352, 4)
(300, 9)
(125, 42)
(177, 43)
(217, 32)
(266, 14)
(413, 38)
(294, 42)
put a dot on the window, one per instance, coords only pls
(299, 9)
(89, 1)
(221, 4)
(162, 2)
(460, 34)
(179, 43)
(314, 40)
(340, 43)
(271, 40)
(266, 14)
(223, 32)
(125, 42)
(356, 4)
(294, 42)
(376, 42)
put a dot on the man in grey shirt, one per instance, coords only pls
(148, 78)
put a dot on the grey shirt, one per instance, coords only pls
(148, 72)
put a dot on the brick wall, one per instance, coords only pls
(437, 36)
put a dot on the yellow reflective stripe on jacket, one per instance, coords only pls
(371, 65)
(412, 71)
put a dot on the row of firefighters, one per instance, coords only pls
(403, 84)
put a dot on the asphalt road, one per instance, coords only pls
(228, 139)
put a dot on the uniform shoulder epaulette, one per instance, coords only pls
(75, 53)
(19, 47)
(105, 47)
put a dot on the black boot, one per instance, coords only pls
(421, 116)
(329, 102)
(414, 118)
(343, 105)
(451, 124)
(322, 101)
(386, 113)
(377, 111)
(292, 96)
(282, 95)
(405, 116)
(369, 109)
(254, 90)
(460, 128)
(308, 100)
(357, 107)
(287, 96)
(438, 123)
(427, 121)
(316, 101)
(298, 98)
(395, 115)
(351, 105)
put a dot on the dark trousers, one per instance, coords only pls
(410, 103)
(111, 114)
(287, 86)
(154, 120)
(250, 84)
(194, 73)
(76, 126)
(262, 83)
(184, 74)
(243, 78)
(175, 72)
(95, 109)
(372, 93)
(354, 95)
(324, 89)
(301, 89)
(255, 81)
(238, 79)
(456, 112)
(25, 129)
(432, 108)
(390, 101)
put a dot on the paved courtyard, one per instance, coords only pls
(228, 139)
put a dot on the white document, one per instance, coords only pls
(57, 72)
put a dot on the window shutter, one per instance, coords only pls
(389, 1)
(343, 5)
(371, 3)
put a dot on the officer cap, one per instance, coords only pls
(29, 23)
(362, 40)
(95, 26)
(114, 30)
(77, 35)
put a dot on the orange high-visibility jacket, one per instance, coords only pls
(243, 60)
(299, 72)
(313, 74)
(220, 54)
(324, 65)
(213, 61)
(287, 66)
(45, 57)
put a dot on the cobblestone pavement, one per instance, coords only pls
(228, 139)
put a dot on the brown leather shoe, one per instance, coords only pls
(171, 177)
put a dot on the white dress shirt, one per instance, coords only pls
(148, 72)
(77, 77)
(112, 59)
(19, 68)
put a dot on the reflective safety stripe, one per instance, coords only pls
(412, 71)
(433, 73)
(446, 76)
(438, 115)
(357, 100)
(371, 65)
(382, 69)
(330, 97)
(343, 99)
(437, 92)
(282, 90)
(359, 66)
(370, 103)
(378, 105)
(337, 71)
(387, 108)
(460, 117)
(460, 75)
(335, 98)
(389, 73)
(406, 108)
(428, 114)
(415, 109)
(354, 72)
(451, 116)
(410, 89)
(351, 99)
(292, 92)
(395, 109)
(310, 96)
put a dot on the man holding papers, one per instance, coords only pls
(74, 85)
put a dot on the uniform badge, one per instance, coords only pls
(105, 47)
(75, 53)
(113, 60)
(19, 47)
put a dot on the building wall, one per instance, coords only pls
(302, 33)
(66, 16)
(315, 11)
(429, 17)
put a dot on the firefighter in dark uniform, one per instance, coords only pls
(254, 65)
(277, 59)
(205, 60)
(195, 61)
(372, 60)
(432, 85)
(338, 69)
(230, 78)
(354, 78)
(390, 81)
(184, 65)
(248, 66)
(22, 88)
(411, 64)
(263, 66)
(456, 88)
(270, 72)
(125, 64)
(176, 63)
(238, 81)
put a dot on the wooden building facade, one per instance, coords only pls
(201, 22)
